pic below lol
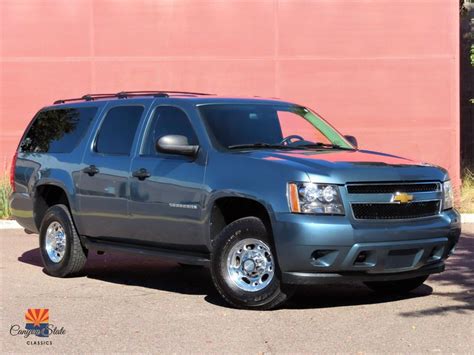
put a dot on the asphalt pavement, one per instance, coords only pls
(133, 304)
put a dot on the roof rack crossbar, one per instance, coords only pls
(125, 94)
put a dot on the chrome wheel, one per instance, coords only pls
(250, 265)
(55, 242)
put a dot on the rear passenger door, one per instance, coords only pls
(103, 188)
(166, 207)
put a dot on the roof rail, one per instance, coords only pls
(88, 97)
(127, 94)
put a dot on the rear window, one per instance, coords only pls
(58, 130)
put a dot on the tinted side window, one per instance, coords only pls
(58, 130)
(168, 120)
(118, 130)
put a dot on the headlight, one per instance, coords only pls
(448, 195)
(314, 198)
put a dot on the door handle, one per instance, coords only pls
(91, 170)
(141, 174)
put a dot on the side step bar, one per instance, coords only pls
(166, 254)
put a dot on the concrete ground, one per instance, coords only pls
(133, 304)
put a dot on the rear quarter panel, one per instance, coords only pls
(36, 169)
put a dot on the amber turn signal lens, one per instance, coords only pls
(293, 197)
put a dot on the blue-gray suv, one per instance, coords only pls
(264, 192)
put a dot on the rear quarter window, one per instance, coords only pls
(58, 130)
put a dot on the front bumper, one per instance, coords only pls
(314, 249)
(314, 278)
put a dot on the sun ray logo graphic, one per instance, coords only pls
(37, 319)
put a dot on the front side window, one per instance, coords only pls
(292, 126)
(168, 120)
(118, 130)
(58, 130)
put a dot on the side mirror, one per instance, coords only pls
(352, 140)
(175, 144)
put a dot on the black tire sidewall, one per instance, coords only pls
(58, 214)
(249, 227)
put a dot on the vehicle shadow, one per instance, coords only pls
(141, 271)
(346, 294)
(148, 272)
(456, 283)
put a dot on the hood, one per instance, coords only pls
(352, 166)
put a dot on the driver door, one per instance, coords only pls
(166, 207)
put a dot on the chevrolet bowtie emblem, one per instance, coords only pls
(402, 197)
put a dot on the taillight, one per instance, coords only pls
(12, 171)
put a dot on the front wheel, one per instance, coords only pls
(244, 268)
(397, 286)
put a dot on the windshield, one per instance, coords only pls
(267, 125)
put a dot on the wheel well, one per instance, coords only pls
(45, 197)
(229, 209)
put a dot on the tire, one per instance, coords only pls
(237, 240)
(60, 261)
(396, 287)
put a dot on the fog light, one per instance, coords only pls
(361, 257)
(324, 258)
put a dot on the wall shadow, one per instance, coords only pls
(457, 280)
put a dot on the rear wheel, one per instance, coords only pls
(61, 250)
(244, 268)
(398, 286)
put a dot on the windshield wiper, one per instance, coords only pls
(307, 146)
(259, 146)
(323, 146)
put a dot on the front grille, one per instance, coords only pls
(392, 188)
(395, 210)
